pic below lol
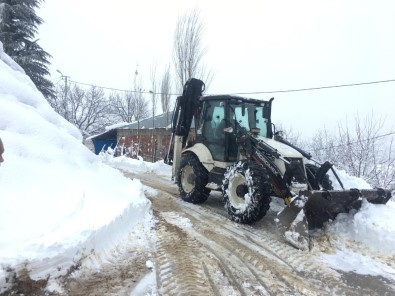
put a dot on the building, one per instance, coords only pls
(148, 138)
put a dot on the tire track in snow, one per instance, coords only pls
(293, 264)
(179, 269)
(255, 252)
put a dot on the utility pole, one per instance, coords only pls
(153, 94)
(137, 87)
(153, 125)
(65, 82)
(66, 113)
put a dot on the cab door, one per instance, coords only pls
(211, 130)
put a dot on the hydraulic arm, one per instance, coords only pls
(184, 111)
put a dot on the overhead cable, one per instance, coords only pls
(315, 88)
(124, 90)
(249, 93)
(355, 142)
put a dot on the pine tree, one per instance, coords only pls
(18, 27)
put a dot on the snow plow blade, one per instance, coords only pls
(321, 206)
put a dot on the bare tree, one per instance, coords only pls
(165, 93)
(359, 149)
(323, 146)
(87, 110)
(357, 145)
(188, 50)
(122, 106)
(141, 109)
(290, 135)
(60, 102)
(384, 167)
(91, 115)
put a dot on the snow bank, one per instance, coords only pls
(347, 180)
(373, 225)
(136, 165)
(350, 261)
(57, 198)
(363, 241)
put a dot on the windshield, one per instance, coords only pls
(250, 116)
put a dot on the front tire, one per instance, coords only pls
(246, 191)
(192, 179)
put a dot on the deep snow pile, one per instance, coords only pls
(135, 165)
(373, 226)
(58, 200)
(362, 241)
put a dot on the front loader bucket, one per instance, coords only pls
(322, 206)
(311, 209)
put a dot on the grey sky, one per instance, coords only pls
(251, 46)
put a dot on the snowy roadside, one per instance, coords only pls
(63, 212)
(82, 239)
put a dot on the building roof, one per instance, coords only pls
(161, 121)
(109, 134)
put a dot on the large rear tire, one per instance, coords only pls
(326, 183)
(192, 179)
(246, 191)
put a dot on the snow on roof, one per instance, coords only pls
(161, 121)
(108, 129)
(116, 125)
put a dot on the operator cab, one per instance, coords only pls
(224, 118)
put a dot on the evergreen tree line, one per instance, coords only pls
(18, 27)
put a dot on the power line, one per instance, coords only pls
(250, 93)
(123, 90)
(356, 142)
(315, 88)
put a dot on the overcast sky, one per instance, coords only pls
(252, 46)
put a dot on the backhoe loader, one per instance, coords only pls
(236, 150)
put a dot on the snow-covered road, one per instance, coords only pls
(199, 251)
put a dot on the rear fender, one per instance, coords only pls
(203, 154)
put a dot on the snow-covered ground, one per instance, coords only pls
(59, 200)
